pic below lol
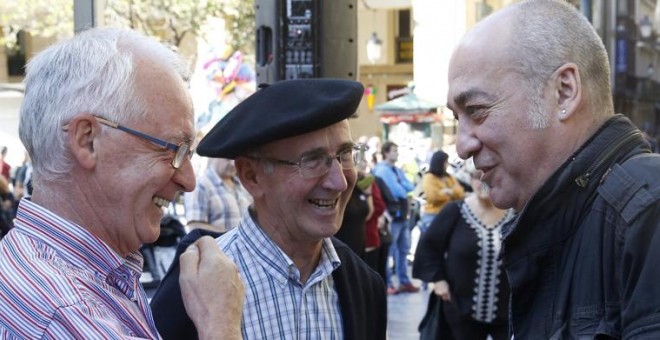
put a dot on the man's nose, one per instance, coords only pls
(467, 143)
(335, 179)
(184, 176)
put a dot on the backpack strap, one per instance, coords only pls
(626, 186)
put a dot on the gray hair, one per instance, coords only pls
(546, 35)
(256, 154)
(93, 72)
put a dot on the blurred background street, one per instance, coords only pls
(404, 312)
(10, 102)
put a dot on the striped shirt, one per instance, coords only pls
(277, 305)
(215, 203)
(58, 281)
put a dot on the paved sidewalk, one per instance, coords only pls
(404, 312)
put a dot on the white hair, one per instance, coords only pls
(93, 72)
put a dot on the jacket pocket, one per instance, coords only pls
(596, 322)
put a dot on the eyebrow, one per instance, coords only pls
(181, 136)
(465, 96)
(321, 150)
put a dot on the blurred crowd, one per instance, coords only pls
(14, 185)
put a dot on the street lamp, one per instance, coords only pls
(645, 27)
(650, 71)
(374, 48)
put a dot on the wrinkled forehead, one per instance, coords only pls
(478, 66)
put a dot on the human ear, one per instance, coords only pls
(81, 135)
(247, 172)
(568, 90)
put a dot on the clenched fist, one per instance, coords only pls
(212, 291)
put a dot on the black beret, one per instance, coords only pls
(284, 109)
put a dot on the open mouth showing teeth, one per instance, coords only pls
(326, 204)
(161, 202)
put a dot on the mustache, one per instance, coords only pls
(484, 188)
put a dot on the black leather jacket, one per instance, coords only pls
(583, 256)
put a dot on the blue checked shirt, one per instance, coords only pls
(277, 305)
(215, 203)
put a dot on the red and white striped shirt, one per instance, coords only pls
(58, 281)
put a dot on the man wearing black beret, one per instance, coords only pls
(294, 153)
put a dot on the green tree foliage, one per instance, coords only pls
(168, 20)
(39, 17)
(171, 20)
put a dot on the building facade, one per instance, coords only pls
(417, 37)
(629, 29)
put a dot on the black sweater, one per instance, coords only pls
(362, 297)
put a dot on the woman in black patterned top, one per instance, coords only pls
(459, 253)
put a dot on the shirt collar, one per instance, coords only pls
(276, 262)
(73, 242)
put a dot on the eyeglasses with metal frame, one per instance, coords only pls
(181, 151)
(315, 165)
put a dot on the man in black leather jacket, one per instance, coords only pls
(536, 114)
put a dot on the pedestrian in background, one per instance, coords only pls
(399, 186)
(373, 243)
(530, 87)
(460, 254)
(5, 168)
(7, 202)
(219, 200)
(439, 188)
(358, 210)
(20, 176)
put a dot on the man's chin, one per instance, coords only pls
(153, 235)
(500, 199)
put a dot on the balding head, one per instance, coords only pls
(546, 34)
(529, 85)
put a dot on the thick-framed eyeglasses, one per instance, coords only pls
(182, 151)
(318, 164)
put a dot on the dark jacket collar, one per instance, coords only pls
(362, 297)
(560, 202)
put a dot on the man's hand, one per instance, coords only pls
(212, 291)
(441, 289)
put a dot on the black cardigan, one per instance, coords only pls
(361, 291)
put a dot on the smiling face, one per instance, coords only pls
(135, 177)
(294, 210)
(491, 101)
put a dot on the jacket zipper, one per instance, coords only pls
(583, 180)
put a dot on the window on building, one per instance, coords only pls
(16, 54)
(404, 40)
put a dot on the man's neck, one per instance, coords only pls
(305, 255)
